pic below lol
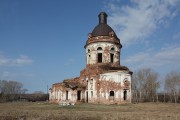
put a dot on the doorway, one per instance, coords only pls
(87, 97)
(125, 94)
(79, 95)
(111, 95)
(66, 95)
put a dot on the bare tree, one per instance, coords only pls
(137, 86)
(172, 85)
(9, 89)
(145, 85)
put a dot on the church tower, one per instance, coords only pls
(103, 46)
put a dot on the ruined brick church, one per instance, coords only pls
(104, 80)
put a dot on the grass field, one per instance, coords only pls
(47, 111)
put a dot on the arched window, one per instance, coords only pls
(125, 95)
(112, 57)
(112, 54)
(88, 56)
(99, 55)
(99, 48)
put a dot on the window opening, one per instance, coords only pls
(89, 59)
(99, 57)
(87, 97)
(66, 95)
(88, 50)
(99, 48)
(111, 93)
(112, 49)
(112, 57)
(79, 95)
(125, 94)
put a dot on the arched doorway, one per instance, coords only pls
(111, 95)
(125, 94)
(79, 95)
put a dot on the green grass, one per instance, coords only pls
(47, 111)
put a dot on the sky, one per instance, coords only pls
(42, 41)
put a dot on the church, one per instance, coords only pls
(104, 80)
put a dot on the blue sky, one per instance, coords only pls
(42, 41)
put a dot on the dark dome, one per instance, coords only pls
(102, 30)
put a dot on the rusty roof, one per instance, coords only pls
(73, 83)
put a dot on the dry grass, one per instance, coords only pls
(46, 111)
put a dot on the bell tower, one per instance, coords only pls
(103, 46)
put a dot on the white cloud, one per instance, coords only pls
(141, 18)
(167, 56)
(22, 60)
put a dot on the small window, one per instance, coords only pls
(125, 80)
(88, 50)
(112, 49)
(99, 48)
(112, 57)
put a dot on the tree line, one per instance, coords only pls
(9, 89)
(14, 91)
(146, 85)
